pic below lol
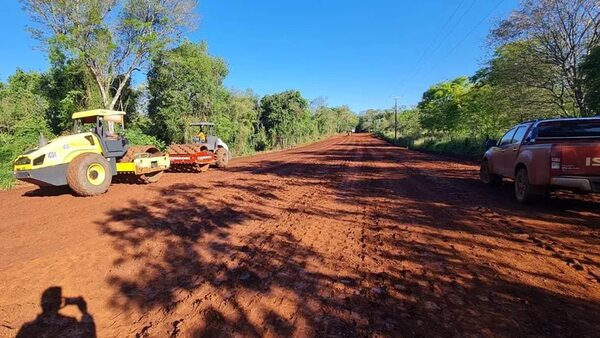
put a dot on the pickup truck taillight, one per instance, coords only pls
(555, 160)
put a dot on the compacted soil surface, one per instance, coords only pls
(345, 237)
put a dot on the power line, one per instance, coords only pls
(466, 36)
(475, 28)
(456, 25)
(439, 33)
(448, 33)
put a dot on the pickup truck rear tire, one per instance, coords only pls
(486, 176)
(524, 191)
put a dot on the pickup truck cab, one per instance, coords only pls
(544, 155)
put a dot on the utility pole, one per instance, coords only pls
(396, 119)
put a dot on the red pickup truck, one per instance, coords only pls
(544, 155)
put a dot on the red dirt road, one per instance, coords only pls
(344, 237)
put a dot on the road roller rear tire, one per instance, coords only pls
(89, 174)
(222, 158)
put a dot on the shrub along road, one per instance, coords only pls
(348, 236)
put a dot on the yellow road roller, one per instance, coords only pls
(88, 159)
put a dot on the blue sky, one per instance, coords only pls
(356, 52)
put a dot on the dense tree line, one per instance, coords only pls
(546, 63)
(95, 48)
(184, 84)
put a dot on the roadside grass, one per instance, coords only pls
(465, 147)
(9, 149)
(6, 177)
(249, 151)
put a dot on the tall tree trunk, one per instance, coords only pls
(580, 101)
(119, 91)
(104, 90)
(124, 80)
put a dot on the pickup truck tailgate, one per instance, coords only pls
(581, 159)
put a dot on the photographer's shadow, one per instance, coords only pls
(50, 323)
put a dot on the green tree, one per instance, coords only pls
(185, 84)
(532, 87)
(22, 119)
(237, 122)
(591, 74)
(22, 106)
(484, 111)
(68, 88)
(331, 120)
(375, 121)
(409, 123)
(561, 33)
(441, 106)
(346, 119)
(326, 120)
(112, 38)
(286, 118)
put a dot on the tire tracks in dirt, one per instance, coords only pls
(286, 221)
(514, 229)
(345, 237)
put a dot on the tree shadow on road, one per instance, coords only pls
(341, 246)
(180, 260)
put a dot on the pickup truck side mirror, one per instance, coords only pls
(490, 143)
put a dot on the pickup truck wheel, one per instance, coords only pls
(486, 176)
(525, 192)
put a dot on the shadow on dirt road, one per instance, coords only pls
(353, 237)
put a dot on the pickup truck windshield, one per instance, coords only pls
(569, 129)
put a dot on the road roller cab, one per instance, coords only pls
(87, 160)
(107, 125)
